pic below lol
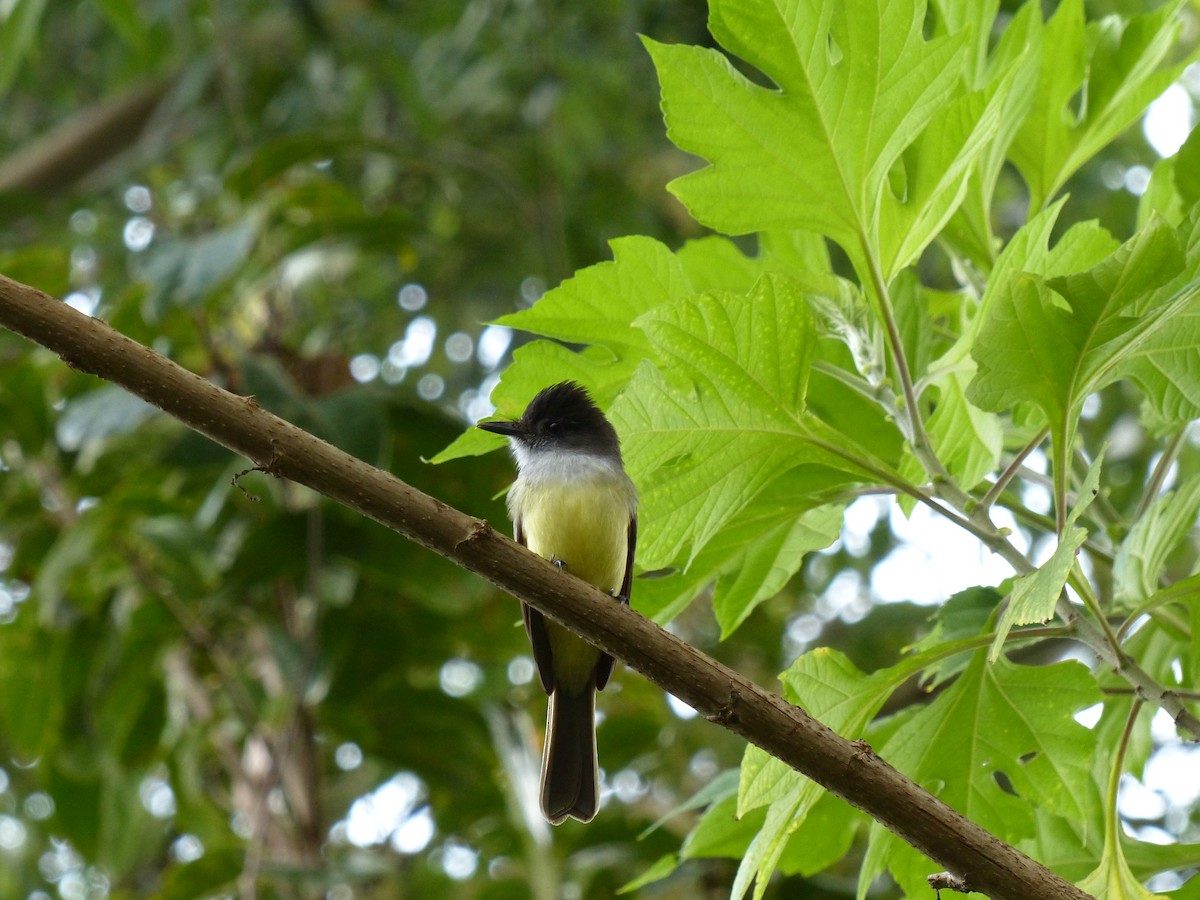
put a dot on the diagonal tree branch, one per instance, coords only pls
(850, 769)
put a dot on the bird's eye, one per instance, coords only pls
(552, 428)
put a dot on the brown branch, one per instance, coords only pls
(82, 143)
(850, 769)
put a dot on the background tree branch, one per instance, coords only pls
(848, 768)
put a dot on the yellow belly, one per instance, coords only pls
(585, 526)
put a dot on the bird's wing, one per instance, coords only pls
(605, 666)
(535, 628)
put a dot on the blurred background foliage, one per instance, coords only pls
(213, 685)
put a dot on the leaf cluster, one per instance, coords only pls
(878, 335)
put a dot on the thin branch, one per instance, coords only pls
(1159, 476)
(1011, 470)
(916, 428)
(850, 769)
(83, 142)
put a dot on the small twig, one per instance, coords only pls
(236, 481)
(1011, 470)
(1159, 475)
(944, 881)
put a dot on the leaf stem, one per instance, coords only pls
(837, 373)
(1011, 470)
(916, 428)
(1083, 588)
(1159, 475)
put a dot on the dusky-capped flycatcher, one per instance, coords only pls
(573, 504)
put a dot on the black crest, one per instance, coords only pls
(564, 415)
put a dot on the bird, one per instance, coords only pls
(574, 504)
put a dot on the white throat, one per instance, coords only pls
(551, 465)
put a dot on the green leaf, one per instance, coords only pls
(659, 869)
(1016, 55)
(770, 557)
(1159, 352)
(967, 439)
(715, 263)
(17, 37)
(1142, 556)
(719, 788)
(32, 662)
(205, 877)
(701, 453)
(936, 168)
(832, 689)
(762, 856)
(1034, 348)
(964, 615)
(90, 419)
(535, 366)
(772, 534)
(123, 16)
(1035, 596)
(1095, 81)
(596, 307)
(186, 272)
(721, 832)
(824, 837)
(1174, 185)
(1000, 718)
(1052, 343)
(857, 85)
(599, 304)
(1030, 252)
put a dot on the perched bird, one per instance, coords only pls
(573, 504)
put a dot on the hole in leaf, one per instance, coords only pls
(833, 50)
(1004, 783)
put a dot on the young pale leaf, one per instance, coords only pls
(857, 84)
(1034, 596)
(1142, 556)
(1159, 354)
(762, 856)
(1017, 720)
(1095, 81)
(730, 420)
(1112, 880)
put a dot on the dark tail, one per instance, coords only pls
(570, 780)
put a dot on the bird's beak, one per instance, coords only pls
(505, 428)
